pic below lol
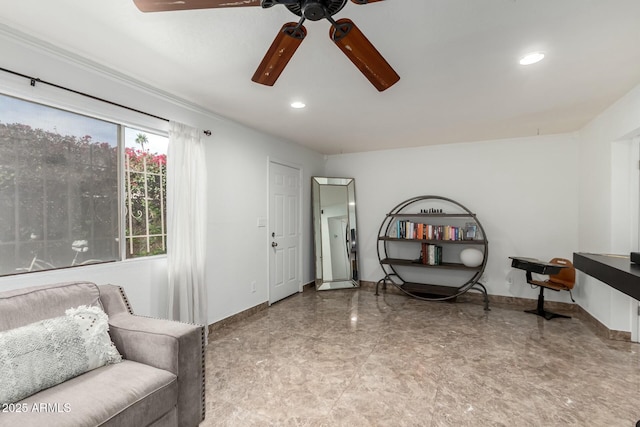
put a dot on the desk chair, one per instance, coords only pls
(564, 280)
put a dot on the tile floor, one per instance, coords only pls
(349, 358)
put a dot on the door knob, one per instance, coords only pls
(274, 244)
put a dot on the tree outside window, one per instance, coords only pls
(59, 187)
(146, 196)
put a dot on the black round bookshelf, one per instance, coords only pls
(438, 230)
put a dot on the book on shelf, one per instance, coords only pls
(431, 254)
(416, 230)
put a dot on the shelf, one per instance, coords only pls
(433, 215)
(425, 288)
(431, 227)
(434, 242)
(615, 270)
(412, 263)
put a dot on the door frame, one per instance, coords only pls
(298, 167)
(635, 214)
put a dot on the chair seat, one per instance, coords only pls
(550, 285)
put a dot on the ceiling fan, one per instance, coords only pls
(343, 32)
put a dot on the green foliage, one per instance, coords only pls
(55, 189)
(141, 139)
(146, 183)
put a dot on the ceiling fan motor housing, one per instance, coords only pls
(315, 10)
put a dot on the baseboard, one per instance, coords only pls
(575, 310)
(470, 297)
(249, 312)
(600, 329)
(238, 317)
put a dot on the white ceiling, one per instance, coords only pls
(458, 62)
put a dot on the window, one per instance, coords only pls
(59, 189)
(145, 176)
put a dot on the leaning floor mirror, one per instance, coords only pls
(334, 224)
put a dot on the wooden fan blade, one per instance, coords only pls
(282, 49)
(363, 54)
(364, 1)
(167, 5)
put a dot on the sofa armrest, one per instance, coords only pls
(165, 344)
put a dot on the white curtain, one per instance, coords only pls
(186, 224)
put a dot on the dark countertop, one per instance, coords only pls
(616, 271)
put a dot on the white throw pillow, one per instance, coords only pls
(42, 354)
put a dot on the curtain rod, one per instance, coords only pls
(34, 80)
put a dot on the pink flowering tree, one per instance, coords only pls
(146, 180)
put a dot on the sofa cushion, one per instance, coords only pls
(46, 353)
(21, 307)
(127, 393)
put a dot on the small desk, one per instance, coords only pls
(532, 265)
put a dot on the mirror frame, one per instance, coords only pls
(352, 281)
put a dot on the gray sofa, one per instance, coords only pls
(160, 381)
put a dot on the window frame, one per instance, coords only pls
(122, 117)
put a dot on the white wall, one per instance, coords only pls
(571, 192)
(144, 280)
(239, 250)
(624, 196)
(608, 218)
(237, 157)
(524, 191)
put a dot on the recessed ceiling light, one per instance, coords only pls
(531, 58)
(298, 105)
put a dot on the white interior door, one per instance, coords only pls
(284, 231)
